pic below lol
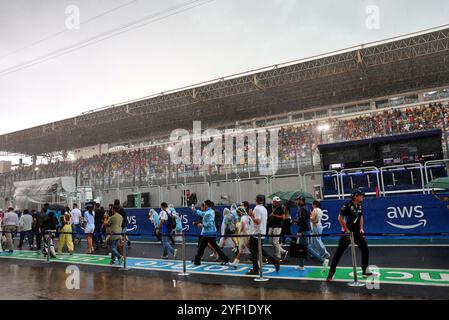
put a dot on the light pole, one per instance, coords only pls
(443, 115)
(169, 149)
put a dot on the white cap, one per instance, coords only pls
(276, 199)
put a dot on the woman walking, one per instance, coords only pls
(65, 234)
(244, 228)
(89, 228)
(315, 221)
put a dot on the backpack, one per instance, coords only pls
(171, 221)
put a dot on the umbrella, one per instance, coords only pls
(290, 196)
(440, 183)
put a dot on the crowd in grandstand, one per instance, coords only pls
(296, 143)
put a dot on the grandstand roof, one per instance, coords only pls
(413, 62)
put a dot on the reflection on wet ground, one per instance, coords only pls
(23, 280)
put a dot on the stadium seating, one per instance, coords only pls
(296, 145)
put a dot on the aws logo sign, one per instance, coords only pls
(410, 217)
(132, 223)
(325, 220)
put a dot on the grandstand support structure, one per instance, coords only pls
(368, 71)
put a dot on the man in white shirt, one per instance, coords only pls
(259, 218)
(25, 228)
(75, 216)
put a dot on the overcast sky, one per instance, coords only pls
(215, 39)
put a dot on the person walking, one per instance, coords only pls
(275, 220)
(89, 227)
(351, 220)
(115, 226)
(39, 221)
(76, 222)
(154, 218)
(48, 229)
(244, 228)
(315, 219)
(286, 225)
(259, 218)
(26, 229)
(98, 219)
(166, 225)
(208, 232)
(122, 212)
(304, 232)
(10, 223)
(228, 229)
(65, 234)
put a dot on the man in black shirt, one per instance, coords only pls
(275, 220)
(98, 225)
(351, 220)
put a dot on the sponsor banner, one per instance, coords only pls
(396, 214)
(404, 276)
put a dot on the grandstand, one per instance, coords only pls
(389, 88)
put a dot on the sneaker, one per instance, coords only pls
(325, 264)
(284, 256)
(265, 261)
(212, 255)
(164, 257)
(224, 263)
(175, 252)
(235, 250)
(234, 264)
(300, 268)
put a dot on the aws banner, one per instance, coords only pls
(395, 214)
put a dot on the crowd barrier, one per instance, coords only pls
(260, 278)
(418, 214)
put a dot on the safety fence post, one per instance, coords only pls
(356, 282)
(125, 268)
(183, 253)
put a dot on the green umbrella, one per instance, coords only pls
(440, 183)
(291, 196)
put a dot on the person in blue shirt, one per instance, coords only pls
(208, 232)
(229, 228)
(154, 218)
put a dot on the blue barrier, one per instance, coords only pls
(416, 215)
